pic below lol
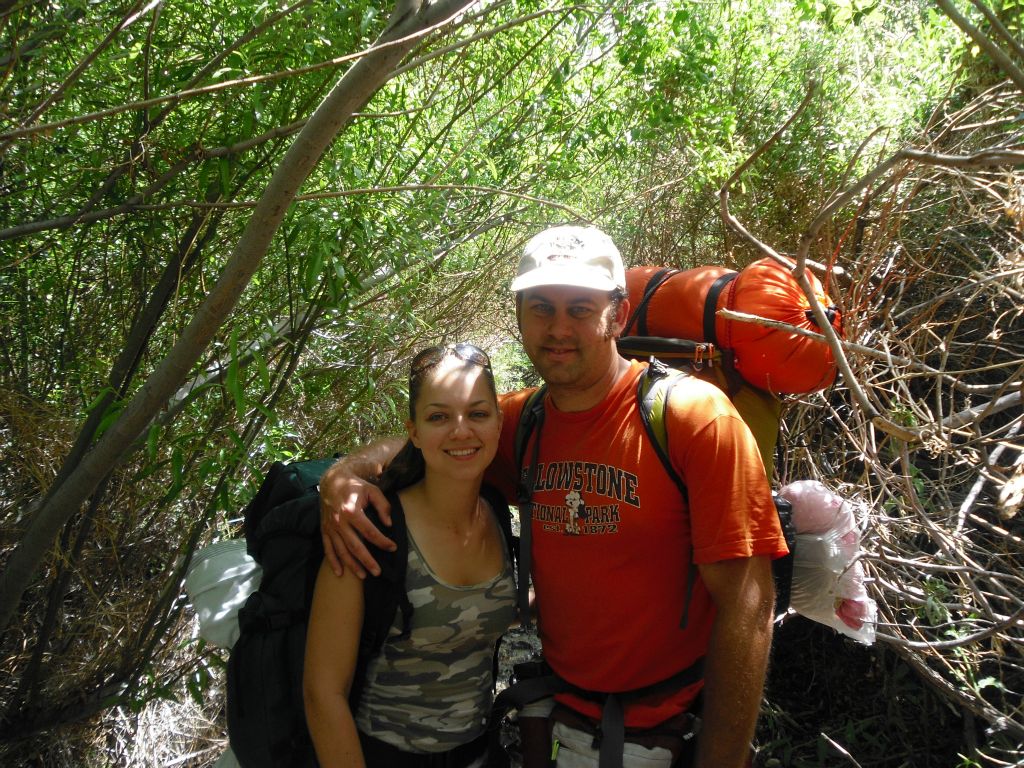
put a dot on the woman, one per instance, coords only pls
(426, 696)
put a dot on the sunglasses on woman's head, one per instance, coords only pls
(432, 356)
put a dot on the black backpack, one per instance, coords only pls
(266, 714)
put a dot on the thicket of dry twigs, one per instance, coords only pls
(925, 427)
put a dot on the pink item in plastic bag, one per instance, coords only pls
(828, 581)
(854, 607)
(816, 509)
(853, 613)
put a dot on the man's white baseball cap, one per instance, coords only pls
(584, 257)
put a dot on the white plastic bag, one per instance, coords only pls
(828, 581)
(827, 550)
(219, 580)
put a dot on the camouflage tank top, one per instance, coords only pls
(431, 692)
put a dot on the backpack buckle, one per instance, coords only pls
(703, 354)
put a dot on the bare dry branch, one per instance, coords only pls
(935, 345)
(984, 42)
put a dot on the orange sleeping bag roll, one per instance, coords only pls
(684, 304)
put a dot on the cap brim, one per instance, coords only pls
(571, 275)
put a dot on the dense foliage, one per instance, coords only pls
(136, 141)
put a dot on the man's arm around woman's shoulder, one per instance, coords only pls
(345, 491)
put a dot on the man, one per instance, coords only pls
(612, 534)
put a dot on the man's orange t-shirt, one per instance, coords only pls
(613, 536)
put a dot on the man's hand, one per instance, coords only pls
(344, 526)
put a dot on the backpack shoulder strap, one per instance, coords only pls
(531, 420)
(390, 585)
(652, 393)
(711, 305)
(383, 595)
(503, 514)
(532, 414)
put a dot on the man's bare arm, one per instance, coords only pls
(737, 658)
(345, 491)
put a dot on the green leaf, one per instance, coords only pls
(232, 380)
(109, 417)
(368, 17)
(207, 468)
(262, 370)
(100, 397)
(224, 499)
(177, 476)
(224, 169)
(239, 444)
(314, 266)
(272, 417)
(989, 682)
(152, 442)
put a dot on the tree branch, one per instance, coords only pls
(352, 92)
(52, 99)
(404, 44)
(978, 412)
(798, 272)
(723, 193)
(136, 201)
(984, 42)
(988, 157)
(1001, 30)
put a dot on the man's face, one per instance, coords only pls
(569, 333)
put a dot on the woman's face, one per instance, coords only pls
(457, 420)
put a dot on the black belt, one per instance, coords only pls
(612, 727)
(380, 754)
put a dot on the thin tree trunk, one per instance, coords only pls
(998, 56)
(410, 20)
